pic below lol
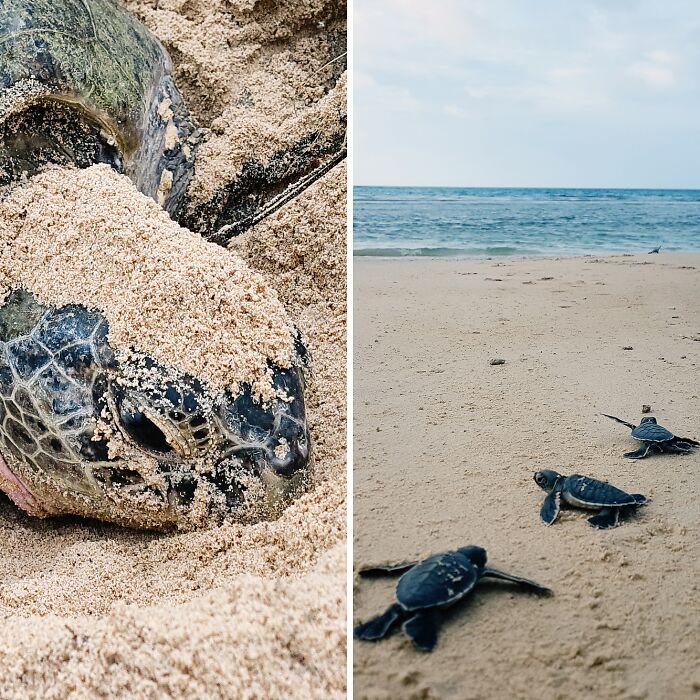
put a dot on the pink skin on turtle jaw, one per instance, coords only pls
(17, 491)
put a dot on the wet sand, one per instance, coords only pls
(445, 449)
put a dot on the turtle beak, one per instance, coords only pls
(287, 449)
(274, 438)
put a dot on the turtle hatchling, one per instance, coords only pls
(584, 492)
(655, 438)
(428, 587)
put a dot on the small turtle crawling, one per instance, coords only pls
(584, 492)
(430, 586)
(655, 438)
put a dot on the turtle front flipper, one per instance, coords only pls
(642, 452)
(631, 426)
(550, 507)
(378, 627)
(423, 628)
(607, 519)
(525, 583)
(687, 441)
(387, 570)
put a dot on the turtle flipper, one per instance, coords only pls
(631, 426)
(679, 446)
(525, 583)
(378, 627)
(550, 507)
(606, 519)
(423, 628)
(688, 441)
(387, 569)
(642, 452)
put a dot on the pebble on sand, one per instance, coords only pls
(497, 361)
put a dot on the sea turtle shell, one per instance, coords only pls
(650, 431)
(127, 439)
(81, 82)
(438, 581)
(594, 493)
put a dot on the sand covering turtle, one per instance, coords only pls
(146, 376)
(83, 82)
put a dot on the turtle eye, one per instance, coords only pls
(144, 431)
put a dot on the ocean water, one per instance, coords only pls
(479, 222)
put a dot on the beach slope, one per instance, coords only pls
(445, 449)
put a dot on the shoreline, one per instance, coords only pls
(446, 446)
(522, 256)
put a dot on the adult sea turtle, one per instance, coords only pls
(584, 492)
(83, 82)
(430, 586)
(655, 438)
(130, 440)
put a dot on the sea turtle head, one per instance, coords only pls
(476, 555)
(547, 479)
(131, 440)
(648, 419)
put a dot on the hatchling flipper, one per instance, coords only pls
(423, 628)
(606, 519)
(387, 570)
(378, 627)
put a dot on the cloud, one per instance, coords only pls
(582, 67)
(657, 70)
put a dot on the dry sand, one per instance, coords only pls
(92, 610)
(89, 237)
(445, 449)
(258, 76)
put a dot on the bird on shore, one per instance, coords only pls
(654, 250)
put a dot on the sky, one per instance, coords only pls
(527, 93)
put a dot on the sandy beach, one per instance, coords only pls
(94, 610)
(445, 449)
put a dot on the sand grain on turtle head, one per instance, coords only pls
(89, 237)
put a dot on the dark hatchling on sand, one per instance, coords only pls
(83, 82)
(584, 492)
(655, 438)
(428, 587)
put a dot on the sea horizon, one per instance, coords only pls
(472, 222)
